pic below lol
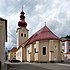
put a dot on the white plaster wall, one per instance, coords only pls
(50, 49)
(54, 45)
(30, 49)
(66, 46)
(19, 54)
(41, 56)
(37, 46)
(28, 53)
(20, 39)
(36, 53)
(68, 56)
(55, 49)
(2, 41)
(8, 56)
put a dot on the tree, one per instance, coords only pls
(67, 37)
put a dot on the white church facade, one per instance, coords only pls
(43, 46)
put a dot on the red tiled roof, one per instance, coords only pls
(43, 34)
(14, 49)
(68, 53)
(65, 39)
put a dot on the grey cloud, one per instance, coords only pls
(54, 12)
(60, 29)
(62, 15)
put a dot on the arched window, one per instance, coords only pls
(35, 50)
(24, 35)
(44, 50)
(21, 34)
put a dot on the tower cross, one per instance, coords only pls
(45, 23)
(22, 8)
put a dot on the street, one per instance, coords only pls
(37, 66)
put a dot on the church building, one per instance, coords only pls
(43, 46)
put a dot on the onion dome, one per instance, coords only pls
(22, 22)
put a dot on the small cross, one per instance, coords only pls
(45, 23)
(22, 7)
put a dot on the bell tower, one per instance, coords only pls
(22, 31)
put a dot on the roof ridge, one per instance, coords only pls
(43, 33)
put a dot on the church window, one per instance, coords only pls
(35, 50)
(28, 51)
(21, 34)
(69, 44)
(62, 44)
(62, 50)
(24, 35)
(44, 50)
(55, 47)
(69, 50)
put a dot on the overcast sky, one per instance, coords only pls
(56, 14)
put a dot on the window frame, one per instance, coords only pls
(21, 34)
(34, 50)
(63, 44)
(69, 44)
(69, 50)
(44, 50)
(24, 35)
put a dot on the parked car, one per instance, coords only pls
(9, 60)
(14, 60)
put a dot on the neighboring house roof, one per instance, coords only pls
(14, 49)
(68, 53)
(65, 39)
(43, 34)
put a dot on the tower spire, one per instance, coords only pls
(22, 8)
(45, 23)
(22, 22)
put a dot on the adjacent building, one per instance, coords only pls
(3, 39)
(12, 53)
(66, 48)
(43, 46)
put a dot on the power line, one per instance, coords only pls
(13, 10)
(12, 35)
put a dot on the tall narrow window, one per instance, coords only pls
(69, 44)
(62, 44)
(35, 50)
(55, 47)
(24, 35)
(44, 50)
(62, 50)
(28, 51)
(69, 50)
(21, 34)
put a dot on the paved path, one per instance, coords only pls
(37, 66)
(54, 66)
(24, 67)
(63, 64)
